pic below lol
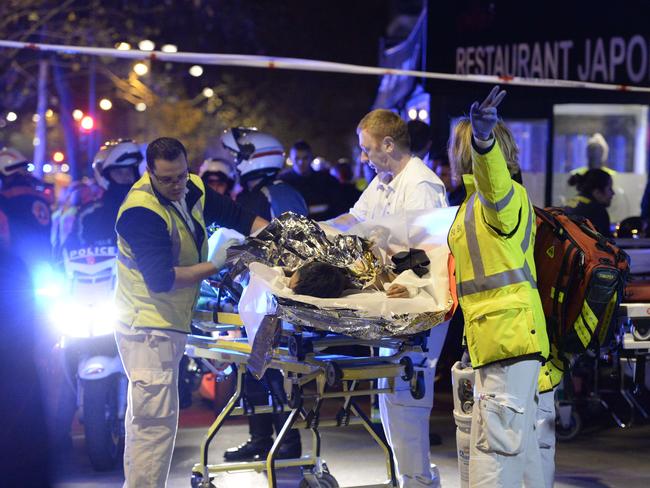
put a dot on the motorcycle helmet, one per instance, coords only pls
(11, 161)
(257, 154)
(218, 174)
(216, 165)
(116, 154)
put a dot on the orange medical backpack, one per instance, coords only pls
(581, 276)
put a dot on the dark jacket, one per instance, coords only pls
(270, 199)
(321, 192)
(151, 243)
(28, 219)
(592, 210)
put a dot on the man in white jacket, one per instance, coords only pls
(403, 183)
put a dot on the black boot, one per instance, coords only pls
(291, 447)
(289, 450)
(254, 448)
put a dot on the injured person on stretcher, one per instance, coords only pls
(323, 280)
(301, 272)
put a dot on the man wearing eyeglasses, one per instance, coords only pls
(163, 257)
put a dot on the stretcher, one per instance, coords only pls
(634, 352)
(311, 377)
(615, 381)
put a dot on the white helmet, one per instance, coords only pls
(257, 154)
(216, 165)
(116, 154)
(11, 161)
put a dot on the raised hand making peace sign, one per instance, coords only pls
(484, 116)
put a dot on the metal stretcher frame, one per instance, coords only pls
(634, 349)
(300, 370)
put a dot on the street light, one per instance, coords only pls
(141, 106)
(169, 48)
(196, 71)
(123, 46)
(146, 45)
(87, 123)
(140, 69)
(77, 114)
(36, 118)
(12, 117)
(49, 113)
(58, 157)
(105, 104)
(208, 92)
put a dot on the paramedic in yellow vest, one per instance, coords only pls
(492, 240)
(163, 256)
(597, 154)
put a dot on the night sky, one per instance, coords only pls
(322, 108)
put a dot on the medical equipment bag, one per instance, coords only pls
(580, 277)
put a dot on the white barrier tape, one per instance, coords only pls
(268, 62)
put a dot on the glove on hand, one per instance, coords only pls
(219, 243)
(483, 117)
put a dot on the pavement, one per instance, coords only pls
(603, 456)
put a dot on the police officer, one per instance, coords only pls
(218, 174)
(27, 209)
(259, 158)
(116, 168)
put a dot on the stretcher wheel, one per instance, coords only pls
(326, 480)
(298, 347)
(334, 374)
(294, 348)
(197, 482)
(569, 432)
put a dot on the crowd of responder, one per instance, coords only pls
(157, 217)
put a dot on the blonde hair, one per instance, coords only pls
(597, 147)
(382, 123)
(459, 148)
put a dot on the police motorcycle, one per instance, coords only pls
(83, 315)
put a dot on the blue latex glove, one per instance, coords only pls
(483, 117)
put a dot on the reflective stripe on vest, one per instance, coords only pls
(481, 282)
(126, 261)
(501, 204)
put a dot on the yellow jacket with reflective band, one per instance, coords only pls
(583, 169)
(137, 305)
(492, 240)
(577, 200)
(551, 373)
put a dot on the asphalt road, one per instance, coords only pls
(602, 456)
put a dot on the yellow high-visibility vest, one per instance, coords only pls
(551, 373)
(137, 305)
(492, 240)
